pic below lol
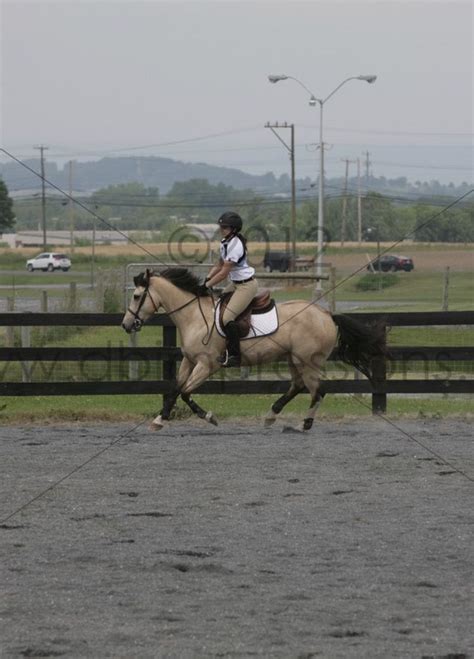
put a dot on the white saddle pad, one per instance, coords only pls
(261, 324)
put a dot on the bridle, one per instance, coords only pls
(139, 322)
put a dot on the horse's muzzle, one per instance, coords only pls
(135, 327)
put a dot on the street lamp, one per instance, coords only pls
(313, 100)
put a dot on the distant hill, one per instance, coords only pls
(162, 173)
(151, 171)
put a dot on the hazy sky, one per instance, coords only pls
(95, 77)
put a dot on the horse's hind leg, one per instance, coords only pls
(296, 386)
(316, 400)
(311, 377)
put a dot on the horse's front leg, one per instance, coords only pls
(164, 415)
(197, 409)
(170, 399)
(199, 375)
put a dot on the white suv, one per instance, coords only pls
(49, 261)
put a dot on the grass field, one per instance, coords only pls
(69, 409)
(420, 290)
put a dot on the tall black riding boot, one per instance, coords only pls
(231, 357)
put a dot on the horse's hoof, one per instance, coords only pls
(269, 421)
(210, 418)
(157, 424)
(298, 430)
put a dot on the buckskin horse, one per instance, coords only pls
(306, 335)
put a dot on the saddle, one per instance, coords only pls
(261, 303)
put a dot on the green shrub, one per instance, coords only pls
(112, 290)
(376, 281)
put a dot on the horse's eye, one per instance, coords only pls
(136, 296)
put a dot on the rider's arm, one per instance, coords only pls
(215, 268)
(220, 274)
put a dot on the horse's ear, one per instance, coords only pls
(140, 280)
(149, 274)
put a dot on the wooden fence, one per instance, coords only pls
(170, 354)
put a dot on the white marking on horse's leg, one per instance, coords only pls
(270, 419)
(210, 418)
(158, 423)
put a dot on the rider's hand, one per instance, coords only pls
(203, 289)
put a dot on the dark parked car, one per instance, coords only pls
(392, 263)
(276, 261)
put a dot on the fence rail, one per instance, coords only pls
(170, 354)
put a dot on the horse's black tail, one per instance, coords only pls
(359, 343)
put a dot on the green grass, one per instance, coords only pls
(135, 408)
(43, 279)
(422, 291)
(431, 336)
(80, 274)
(417, 290)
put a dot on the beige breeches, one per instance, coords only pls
(242, 296)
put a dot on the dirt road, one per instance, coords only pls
(352, 541)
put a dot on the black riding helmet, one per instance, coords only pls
(231, 220)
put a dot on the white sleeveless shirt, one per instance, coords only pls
(232, 249)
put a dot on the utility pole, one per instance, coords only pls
(291, 151)
(344, 201)
(359, 205)
(71, 208)
(42, 149)
(367, 169)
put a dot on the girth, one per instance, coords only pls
(261, 303)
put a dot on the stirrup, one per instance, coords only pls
(229, 361)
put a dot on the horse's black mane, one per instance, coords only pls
(184, 279)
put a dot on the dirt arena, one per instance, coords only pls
(351, 541)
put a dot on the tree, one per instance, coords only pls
(453, 226)
(7, 216)
(379, 215)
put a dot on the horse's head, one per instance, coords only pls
(143, 305)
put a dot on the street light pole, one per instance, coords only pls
(319, 256)
(312, 101)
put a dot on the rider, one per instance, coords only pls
(243, 285)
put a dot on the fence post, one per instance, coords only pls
(10, 336)
(446, 290)
(72, 296)
(379, 394)
(332, 289)
(99, 297)
(43, 331)
(132, 365)
(44, 302)
(25, 334)
(169, 364)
